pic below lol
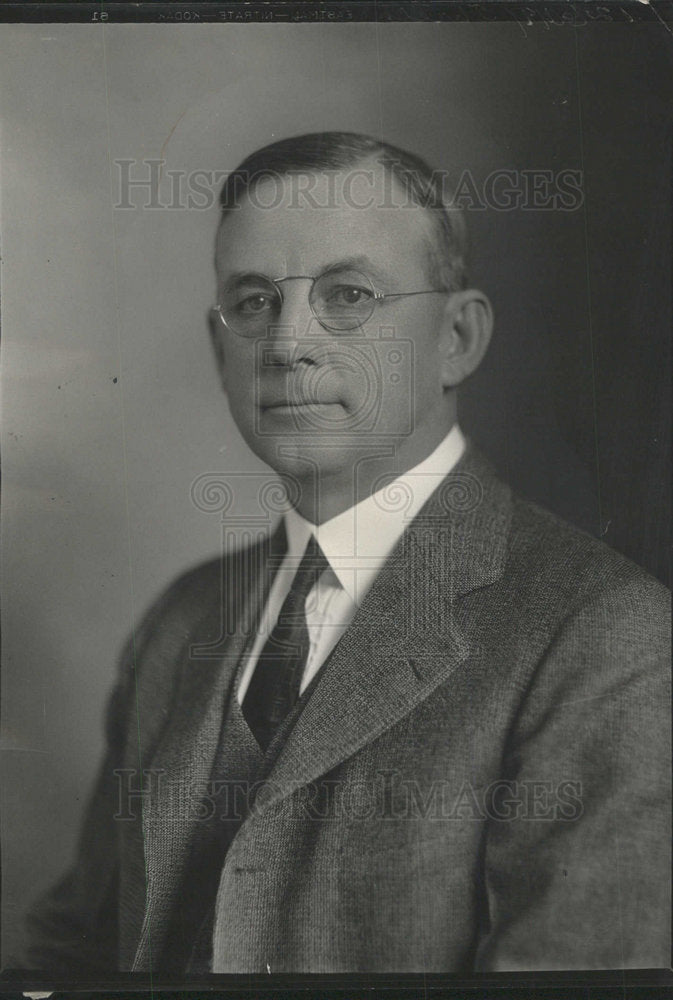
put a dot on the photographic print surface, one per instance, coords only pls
(335, 555)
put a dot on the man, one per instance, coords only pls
(421, 728)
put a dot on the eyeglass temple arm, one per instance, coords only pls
(399, 295)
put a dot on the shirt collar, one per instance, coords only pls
(357, 541)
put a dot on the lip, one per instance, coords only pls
(286, 406)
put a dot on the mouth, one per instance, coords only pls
(296, 406)
(305, 391)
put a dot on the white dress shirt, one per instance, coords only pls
(356, 543)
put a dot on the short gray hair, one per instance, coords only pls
(317, 151)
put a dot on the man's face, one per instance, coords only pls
(306, 398)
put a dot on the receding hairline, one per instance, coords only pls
(447, 230)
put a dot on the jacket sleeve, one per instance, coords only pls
(578, 870)
(72, 930)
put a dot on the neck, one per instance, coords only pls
(324, 495)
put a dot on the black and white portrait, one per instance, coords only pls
(336, 621)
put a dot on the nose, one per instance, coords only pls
(295, 331)
(296, 318)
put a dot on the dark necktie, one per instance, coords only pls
(274, 686)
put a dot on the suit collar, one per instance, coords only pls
(358, 541)
(405, 639)
(462, 531)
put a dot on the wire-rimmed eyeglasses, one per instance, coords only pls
(340, 300)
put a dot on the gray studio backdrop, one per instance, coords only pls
(111, 405)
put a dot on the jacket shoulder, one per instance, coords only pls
(196, 593)
(557, 563)
(190, 610)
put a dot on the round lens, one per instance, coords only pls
(343, 300)
(250, 305)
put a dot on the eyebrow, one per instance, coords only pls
(243, 277)
(359, 262)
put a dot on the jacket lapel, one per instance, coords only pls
(404, 640)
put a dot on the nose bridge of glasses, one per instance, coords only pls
(294, 277)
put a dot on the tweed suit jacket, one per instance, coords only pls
(479, 780)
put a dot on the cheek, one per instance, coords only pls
(239, 369)
(241, 402)
(427, 378)
(427, 365)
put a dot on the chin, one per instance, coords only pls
(299, 454)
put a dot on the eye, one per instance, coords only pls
(256, 304)
(349, 295)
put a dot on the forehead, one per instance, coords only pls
(299, 223)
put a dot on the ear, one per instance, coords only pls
(465, 335)
(215, 327)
